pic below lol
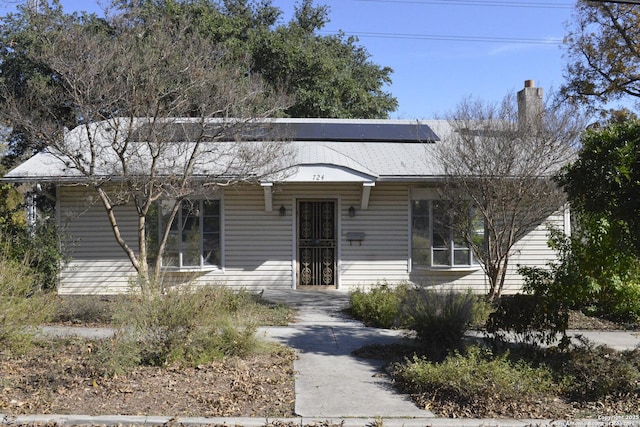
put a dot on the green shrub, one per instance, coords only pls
(468, 379)
(441, 318)
(378, 307)
(530, 319)
(23, 304)
(595, 272)
(187, 326)
(40, 245)
(620, 299)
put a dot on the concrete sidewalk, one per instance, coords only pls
(166, 421)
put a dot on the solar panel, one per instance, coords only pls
(296, 130)
(391, 132)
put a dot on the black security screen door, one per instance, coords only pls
(316, 243)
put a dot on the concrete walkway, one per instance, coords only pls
(330, 381)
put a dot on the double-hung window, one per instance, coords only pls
(194, 234)
(435, 241)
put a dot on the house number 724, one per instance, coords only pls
(318, 177)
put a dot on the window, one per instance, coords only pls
(194, 236)
(434, 243)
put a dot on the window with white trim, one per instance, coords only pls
(434, 241)
(194, 236)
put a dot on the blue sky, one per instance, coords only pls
(431, 76)
(434, 49)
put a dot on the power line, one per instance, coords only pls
(492, 3)
(480, 39)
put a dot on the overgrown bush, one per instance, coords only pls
(379, 306)
(39, 244)
(186, 326)
(530, 319)
(22, 304)
(619, 299)
(440, 318)
(593, 273)
(474, 380)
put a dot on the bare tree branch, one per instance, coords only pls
(164, 113)
(499, 167)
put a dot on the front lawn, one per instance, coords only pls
(181, 353)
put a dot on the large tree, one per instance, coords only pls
(498, 166)
(603, 51)
(153, 99)
(328, 75)
(604, 181)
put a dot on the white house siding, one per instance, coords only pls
(530, 251)
(258, 248)
(533, 250)
(98, 264)
(257, 245)
(382, 257)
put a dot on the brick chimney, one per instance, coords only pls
(530, 105)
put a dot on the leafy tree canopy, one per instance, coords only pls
(604, 181)
(328, 75)
(603, 49)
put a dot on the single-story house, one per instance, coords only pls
(354, 210)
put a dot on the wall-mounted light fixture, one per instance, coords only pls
(282, 210)
(352, 211)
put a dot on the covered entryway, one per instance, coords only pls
(317, 248)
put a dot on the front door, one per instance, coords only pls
(317, 243)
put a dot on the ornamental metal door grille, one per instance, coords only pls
(317, 243)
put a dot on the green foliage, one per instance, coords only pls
(379, 306)
(329, 76)
(592, 274)
(441, 318)
(12, 215)
(603, 183)
(531, 319)
(20, 74)
(620, 300)
(481, 381)
(46, 254)
(22, 303)
(40, 246)
(186, 326)
(468, 379)
(324, 75)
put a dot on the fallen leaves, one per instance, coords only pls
(58, 379)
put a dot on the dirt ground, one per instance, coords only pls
(59, 380)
